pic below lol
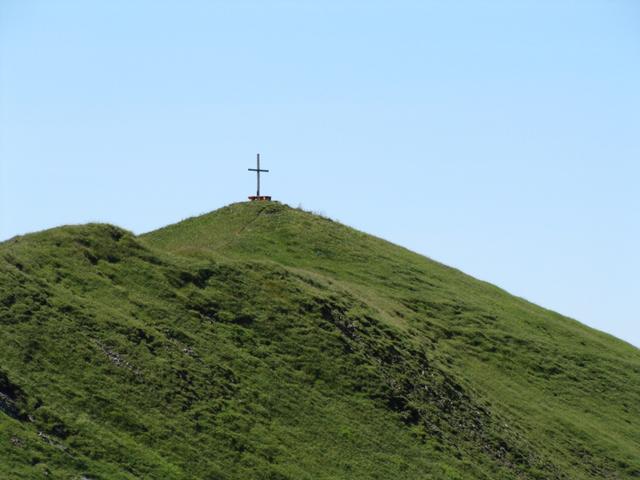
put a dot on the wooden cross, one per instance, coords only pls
(258, 170)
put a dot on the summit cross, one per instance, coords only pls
(258, 171)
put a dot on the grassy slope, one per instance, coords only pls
(260, 341)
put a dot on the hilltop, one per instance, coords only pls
(264, 342)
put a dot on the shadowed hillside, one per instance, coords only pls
(264, 342)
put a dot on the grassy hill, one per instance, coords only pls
(264, 342)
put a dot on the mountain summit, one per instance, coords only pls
(264, 342)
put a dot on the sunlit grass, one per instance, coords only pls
(264, 342)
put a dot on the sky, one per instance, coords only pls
(500, 137)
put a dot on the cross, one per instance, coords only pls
(257, 170)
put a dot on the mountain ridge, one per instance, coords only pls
(292, 346)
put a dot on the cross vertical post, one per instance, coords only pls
(258, 171)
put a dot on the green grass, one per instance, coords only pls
(264, 342)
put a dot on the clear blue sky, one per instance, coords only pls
(499, 137)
